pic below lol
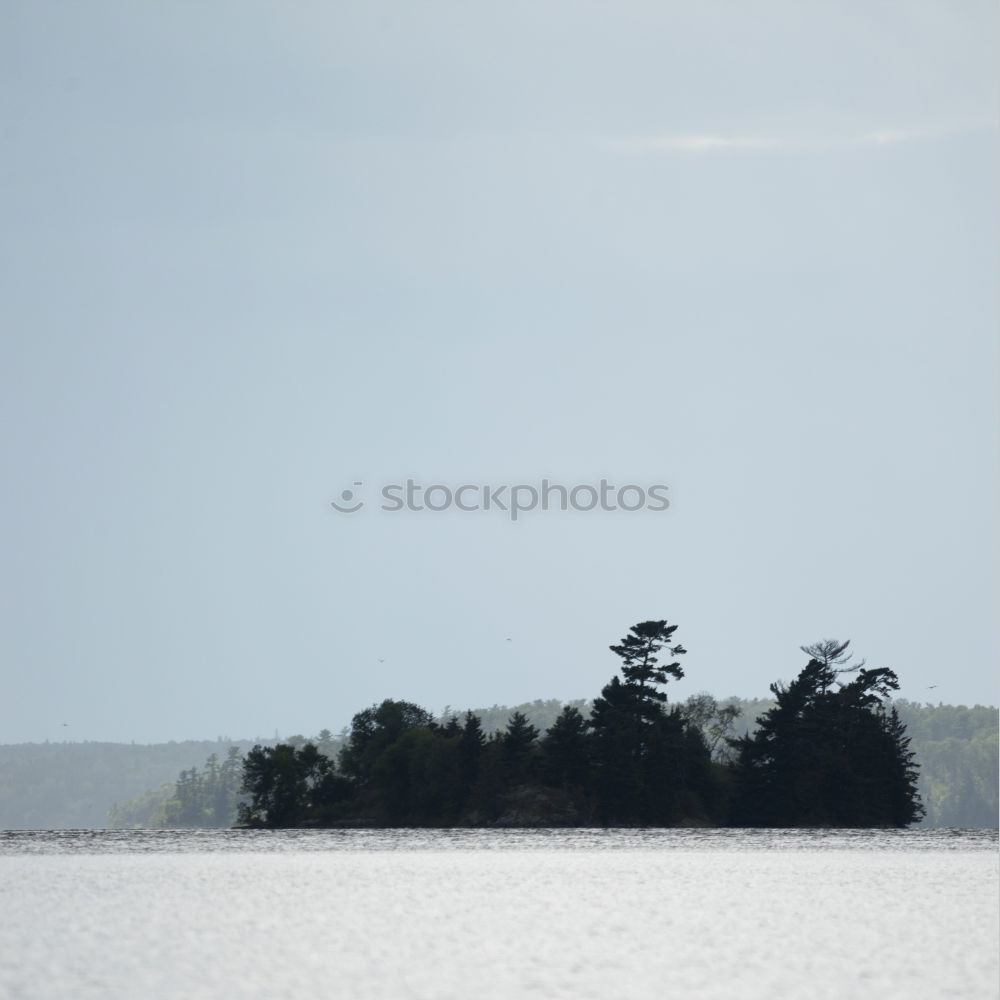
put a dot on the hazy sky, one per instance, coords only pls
(254, 253)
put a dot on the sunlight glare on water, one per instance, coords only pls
(498, 914)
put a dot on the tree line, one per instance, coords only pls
(831, 751)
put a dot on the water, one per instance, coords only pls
(610, 914)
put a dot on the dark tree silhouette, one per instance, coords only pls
(470, 747)
(284, 783)
(517, 745)
(640, 751)
(829, 753)
(374, 730)
(566, 751)
(640, 668)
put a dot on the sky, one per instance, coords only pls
(254, 255)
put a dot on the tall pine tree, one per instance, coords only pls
(640, 750)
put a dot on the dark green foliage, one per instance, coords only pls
(894, 767)
(518, 749)
(286, 785)
(484, 795)
(373, 731)
(640, 668)
(470, 750)
(616, 765)
(414, 781)
(276, 783)
(566, 751)
(649, 765)
(829, 753)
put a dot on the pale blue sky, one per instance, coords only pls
(254, 252)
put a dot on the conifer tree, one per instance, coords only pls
(829, 753)
(565, 750)
(640, 668)
(638, 747)
(517, 743)
(470, 746)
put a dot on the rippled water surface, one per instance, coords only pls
(614, 914)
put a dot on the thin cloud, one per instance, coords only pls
(714, 143)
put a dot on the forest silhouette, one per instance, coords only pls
(831, 752)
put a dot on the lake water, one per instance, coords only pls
(609, 914)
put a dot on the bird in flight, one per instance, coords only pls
(381, 661)
(930, 687)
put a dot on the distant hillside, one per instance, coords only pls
(959, 755)
(541, 713)
(62, 786)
